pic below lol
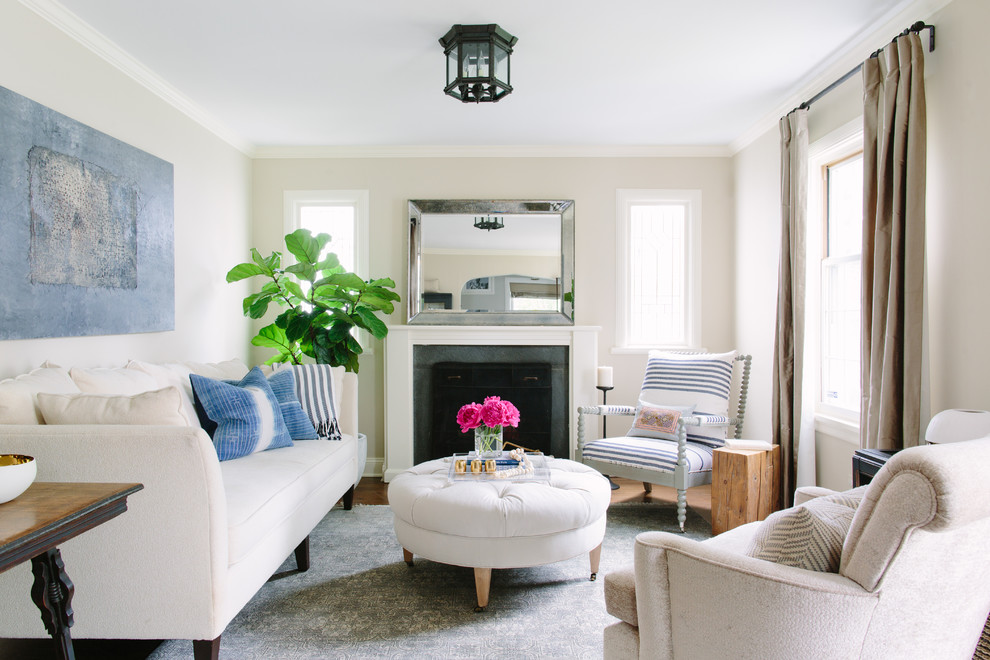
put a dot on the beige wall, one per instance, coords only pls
(957, 77)
(212, 199)
(591, 182)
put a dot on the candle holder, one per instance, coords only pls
(605, 389)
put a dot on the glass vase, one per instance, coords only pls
(488, 441)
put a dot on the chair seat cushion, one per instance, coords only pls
(648, 454)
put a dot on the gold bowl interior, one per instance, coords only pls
(14, 459)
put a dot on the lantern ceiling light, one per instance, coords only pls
(477, 62)
(488, 223)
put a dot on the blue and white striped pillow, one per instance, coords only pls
(681, 379)
(314, 387)
(247, 414)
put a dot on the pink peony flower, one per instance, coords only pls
(511, 414)
(493, 413)
(469, 417)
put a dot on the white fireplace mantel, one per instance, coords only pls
(582, 342)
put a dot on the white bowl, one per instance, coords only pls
(17, 472)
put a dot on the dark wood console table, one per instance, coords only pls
(34, 524)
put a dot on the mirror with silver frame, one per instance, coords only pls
(491, 262)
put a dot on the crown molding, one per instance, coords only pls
(495, 151)
(83, 33)
(853, 53)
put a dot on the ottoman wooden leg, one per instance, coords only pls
(407, 557)
(596, 558)
(482, 585)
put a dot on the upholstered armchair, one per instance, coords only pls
(680, 418)
(912, 578)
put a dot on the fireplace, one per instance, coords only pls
(534, 378)
(411, 351)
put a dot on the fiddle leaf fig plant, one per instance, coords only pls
(323, 303)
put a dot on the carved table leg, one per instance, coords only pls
(52, 593)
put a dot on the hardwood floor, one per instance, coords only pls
(371, 490)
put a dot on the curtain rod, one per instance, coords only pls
(917, 27)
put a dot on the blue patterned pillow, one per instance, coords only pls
(283, 384)
(247, 415)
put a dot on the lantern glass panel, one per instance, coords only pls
(452, 65)
(501, 64)
(474, 60)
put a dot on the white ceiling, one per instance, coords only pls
(292, 73)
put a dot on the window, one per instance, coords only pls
(834, 298)
(842, 183)
(658, 263)
(341, 213)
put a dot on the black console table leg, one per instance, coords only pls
(52, 593)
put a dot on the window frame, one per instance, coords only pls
(838, 146)
(692, 200)
(295, 200)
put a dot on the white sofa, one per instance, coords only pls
(912, 580)
(197, 542)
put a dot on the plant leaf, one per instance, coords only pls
(243, 271)
(303, 271)
(259, 307)
(303, 246)
(374, 325)
(347, 280)
(272, 336)
(330, 262)
(293, 289)
(298, 327)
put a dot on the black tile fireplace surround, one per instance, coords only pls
(445, 377)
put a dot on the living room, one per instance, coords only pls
(229, 198)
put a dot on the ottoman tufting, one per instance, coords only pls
(499, 524)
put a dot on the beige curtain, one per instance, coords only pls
(893, 244)
(788, 350)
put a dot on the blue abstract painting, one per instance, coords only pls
(86, 229)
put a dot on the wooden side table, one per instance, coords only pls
(35, 523)
(745, 486)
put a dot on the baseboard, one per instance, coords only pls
(374, 466)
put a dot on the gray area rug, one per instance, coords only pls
(360, 600)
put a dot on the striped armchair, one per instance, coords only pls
(681, 417)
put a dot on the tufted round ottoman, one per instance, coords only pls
(499, 524)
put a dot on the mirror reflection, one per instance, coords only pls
(497, 262)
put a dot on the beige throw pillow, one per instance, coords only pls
(18, 395)
(156, 408)
(809, 536)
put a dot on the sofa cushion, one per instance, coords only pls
(18, 396)
(156, 408)
(648, 454)
(620, 595)
(657, 420)
(177, 374)
(99, 380)
(809, 536)
(264, 489)
(681, 379)
(247, 415)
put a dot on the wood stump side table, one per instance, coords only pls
(745, 486)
